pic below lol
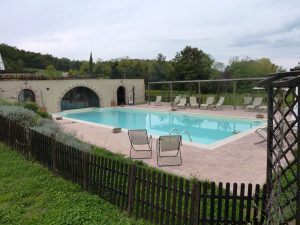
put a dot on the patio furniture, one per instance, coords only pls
(256, 103)
(209, 102)
(193, 102)
(219, 105)
(262, 132)
(176, 100)
(169, 147)
(278, 135)
(247, 101)
(182, 103)
(262, 108)
(158, 100)
(140, 142)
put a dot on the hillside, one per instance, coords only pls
(18, 60)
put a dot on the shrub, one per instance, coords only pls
(20, 115)
(29, 105)
(52, 129)
(43, 114)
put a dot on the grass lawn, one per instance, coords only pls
(30, 194)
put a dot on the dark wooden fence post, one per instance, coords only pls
(54, 155)
(196, 202)
(131, 187)
(85, 158)
(28, 139)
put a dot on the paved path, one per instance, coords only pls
(239, 161)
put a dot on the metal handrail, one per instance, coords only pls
(181, 134)
(187, 133)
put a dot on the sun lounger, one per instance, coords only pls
(140, 142)
(209, 102)
(158, 100)
(256, 103)
(193, 102)
(219, 105)
(169, 147)
(176, 100)
(182, 103)
(247, 101)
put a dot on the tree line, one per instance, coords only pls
(188, 64)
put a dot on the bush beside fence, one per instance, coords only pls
(142, 192)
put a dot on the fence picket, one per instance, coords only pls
(163, 196)
(153, 180)
(256, 202)
(174, 200)
(249, 199)
(241, 209)
(179, 206)
(157, 200)
(212, 203)
(227, 194)
(168, 203)
(234, 199)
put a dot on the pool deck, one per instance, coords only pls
(240, 161)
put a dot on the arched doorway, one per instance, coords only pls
(79, 97)
(26, 95)
(121, 96)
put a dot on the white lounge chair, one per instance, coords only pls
(256, 103)
(209, 102)
(140, 142)
(169, 147)
(176, 100)
(158, 100)
(193, 102)
(182, 103)
(247, 101)
(219, 105)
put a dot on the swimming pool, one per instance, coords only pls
(203, 129)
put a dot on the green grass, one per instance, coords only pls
(30, 194)
(43, 72)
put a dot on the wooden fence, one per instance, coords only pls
(143, 193)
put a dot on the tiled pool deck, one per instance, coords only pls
(239, 161)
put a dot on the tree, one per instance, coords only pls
(51, 71)
(91, 64)
(247, 67)
(217, 70)
(84, 68)
(191, 64)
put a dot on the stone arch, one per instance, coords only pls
(75, 87)
(121, 95)
(26, 94)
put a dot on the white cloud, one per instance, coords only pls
(141, 29)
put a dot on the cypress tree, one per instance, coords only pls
(91, 64)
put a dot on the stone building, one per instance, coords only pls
(64, 94)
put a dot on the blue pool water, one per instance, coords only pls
(203, 129)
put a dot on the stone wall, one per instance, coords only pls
(48, 93)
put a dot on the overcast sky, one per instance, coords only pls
(142, 29)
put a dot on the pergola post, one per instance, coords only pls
(298, 158)
(199, 91)
(234, 95)
(171, 92)
(148, 93)
(269, 140)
